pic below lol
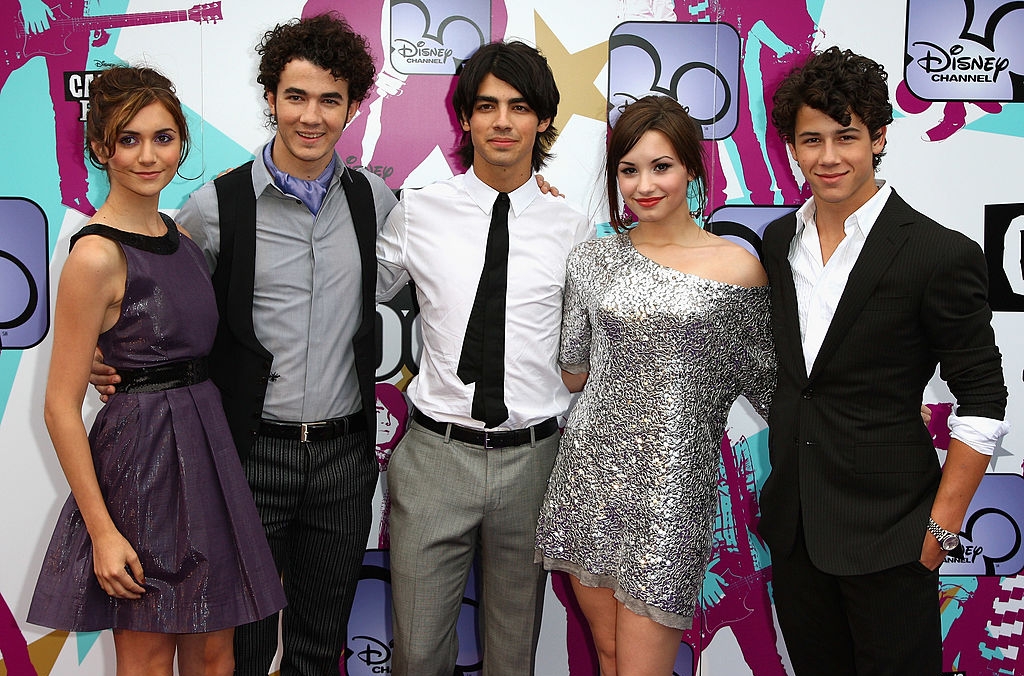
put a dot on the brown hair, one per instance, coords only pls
(117, 95)
(664, 114)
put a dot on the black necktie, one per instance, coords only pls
(483, 350)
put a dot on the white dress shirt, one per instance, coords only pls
(820, 286)
(437, 236)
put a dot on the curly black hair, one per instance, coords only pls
(838, 83)
(525, 69)
(325, 40)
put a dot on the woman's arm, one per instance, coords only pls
(88, 303)
(574, 382)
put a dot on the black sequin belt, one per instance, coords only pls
(163, 376)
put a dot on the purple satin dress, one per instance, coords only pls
(168, 469)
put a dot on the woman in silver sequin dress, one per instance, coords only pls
(664, 326)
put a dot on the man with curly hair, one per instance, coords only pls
(868, 296)
(290, 240)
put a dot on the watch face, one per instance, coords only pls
(950, 542)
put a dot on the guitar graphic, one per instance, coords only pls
(53, 41)
(60, 32)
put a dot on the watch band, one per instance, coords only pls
(948, 540)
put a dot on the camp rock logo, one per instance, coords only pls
(368, 649)
(76, 88)
(432, 37)
(697, 64)
(24, 274)
(965, 50)
(991, 536)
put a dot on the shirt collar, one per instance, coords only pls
(862, 219)
(311, 193)
(484, 195)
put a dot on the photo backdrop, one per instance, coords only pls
(956, 75)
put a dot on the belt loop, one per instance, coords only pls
(448, 433)
(303, 432)
(533, 436)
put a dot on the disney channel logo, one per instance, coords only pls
(991, 537)
(697, 64)
(369, 646)
(24, 274)
(964, 50)
(433, 37)
(953, 65)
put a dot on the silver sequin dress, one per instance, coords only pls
(631, 499)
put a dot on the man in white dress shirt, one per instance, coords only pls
(470, 474)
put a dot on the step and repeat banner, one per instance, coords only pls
(957, 79)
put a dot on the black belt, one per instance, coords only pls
(163, 376)
(314, 431)
(493, 439)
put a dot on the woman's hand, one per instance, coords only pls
(117, 566)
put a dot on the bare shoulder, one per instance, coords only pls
(737, 266)
(97, 264)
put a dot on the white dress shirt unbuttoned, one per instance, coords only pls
(820, 286)
(437, 236)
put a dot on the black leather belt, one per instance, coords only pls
(314, 431)
(163, 376)
(494, 439)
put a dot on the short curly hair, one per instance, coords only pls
(325, 40)
(838, 83)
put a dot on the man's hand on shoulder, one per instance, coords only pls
(547, 188)
(103, 377)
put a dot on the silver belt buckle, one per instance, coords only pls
(487, 440)
(303, 432)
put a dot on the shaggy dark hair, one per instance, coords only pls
(325, 40)
(525, 69)
(664, 114)
(837, 83)
(116, 96)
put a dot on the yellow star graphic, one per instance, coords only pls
(575, 75)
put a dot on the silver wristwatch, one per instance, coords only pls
(947, 541)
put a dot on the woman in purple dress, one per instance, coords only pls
(160, 540)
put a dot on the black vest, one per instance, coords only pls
(239, 365)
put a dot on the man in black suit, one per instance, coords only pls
(868, 296)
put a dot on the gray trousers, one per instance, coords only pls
(448, 501)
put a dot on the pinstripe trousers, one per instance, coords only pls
(878, 624)
(314, 499)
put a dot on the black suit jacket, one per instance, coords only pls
(851, 459)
